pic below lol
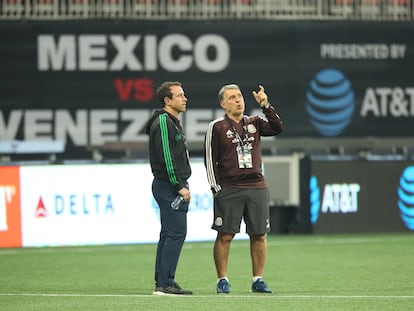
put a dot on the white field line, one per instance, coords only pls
(215, 295)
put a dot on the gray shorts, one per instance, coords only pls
(232, 205)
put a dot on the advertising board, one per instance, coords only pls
(91, 82)
(362, 196)
(90, 204)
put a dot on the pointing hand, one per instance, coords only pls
(261, 96)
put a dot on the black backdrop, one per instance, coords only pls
(41, 98)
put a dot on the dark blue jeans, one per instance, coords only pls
(172, 235)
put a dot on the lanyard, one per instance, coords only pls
(244, 141)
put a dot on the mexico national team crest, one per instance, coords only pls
(218, 222)
(251, 129)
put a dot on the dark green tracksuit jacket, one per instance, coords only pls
(168, 150)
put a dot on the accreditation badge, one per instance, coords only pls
(244, 155)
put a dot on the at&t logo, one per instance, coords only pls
(315, 199)
(406, 197)
(338, 198)
(330, 102)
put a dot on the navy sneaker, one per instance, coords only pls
(223, 287)
(260, 287)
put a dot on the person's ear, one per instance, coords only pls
(166, 101)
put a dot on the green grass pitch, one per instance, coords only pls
(312, 272)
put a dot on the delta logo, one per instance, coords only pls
(93, 204)
(41, 210)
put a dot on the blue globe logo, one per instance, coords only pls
(330, 102)
(406, 197)
(315, 199)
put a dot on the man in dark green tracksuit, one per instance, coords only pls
(171, 169)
